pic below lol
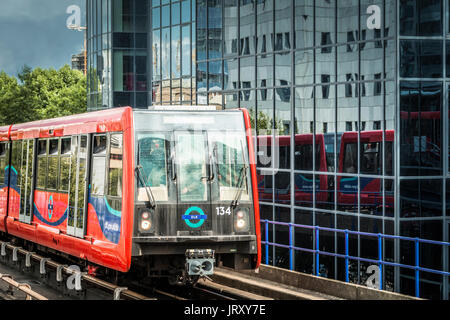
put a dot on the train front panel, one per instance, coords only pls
(195, 202)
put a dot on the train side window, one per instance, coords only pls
(303, 157)
(115, 165)
(64, 164)
(2, 162)
(285, 157)
(53, 147)
(42, 147)
(66, 146)
(389, 158)
(52, 174)
(2, 149)
(370, 156)
(16, 159)
(99, 165)
(100, 144)
(52, 178)
(350, 158)
(42, 164)
(83, 144)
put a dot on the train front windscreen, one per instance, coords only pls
(193, 173)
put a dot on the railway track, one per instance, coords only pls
(225, 285)
(13, 290)
(62, 277)
(51, 274)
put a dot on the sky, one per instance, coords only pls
(34, 33)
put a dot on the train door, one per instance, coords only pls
(4, 181)
(25, 173)
(76, 223)
(194, 189)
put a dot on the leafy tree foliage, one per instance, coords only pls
(266, 123)
(41, 94)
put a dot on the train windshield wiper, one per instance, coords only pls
(241, 186)
(151, 198)
(213, 164)
(241, 182)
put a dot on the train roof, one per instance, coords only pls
(4, 133)
(368, 136)
(117, 119)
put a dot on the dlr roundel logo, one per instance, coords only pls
(200, 215)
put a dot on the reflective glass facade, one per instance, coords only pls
(355, 109)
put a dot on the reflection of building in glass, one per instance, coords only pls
(78, 62)
(309, 71)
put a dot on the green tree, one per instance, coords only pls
(9, 99)
(265, 122)
(41, 94)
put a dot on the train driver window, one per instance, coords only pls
(152, 156)
(228, 160)
(191, 156)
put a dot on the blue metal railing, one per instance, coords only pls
(380, 262)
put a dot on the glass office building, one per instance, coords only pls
(353, 92)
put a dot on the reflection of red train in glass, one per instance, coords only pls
(371, 163)
(303, 161)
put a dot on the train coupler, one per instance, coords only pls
(200, 262)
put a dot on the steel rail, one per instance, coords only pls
(24, 287)
(116, 290)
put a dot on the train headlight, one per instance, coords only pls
(241, 221)
(146, 225)
(146, 221)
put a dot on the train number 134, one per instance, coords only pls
(223, 211)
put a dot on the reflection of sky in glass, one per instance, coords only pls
(186, 42)
(185, 11)
(174, 39)
(156, 54)
(176, 52)
(165, 56)
(156, 16)
(176, 13)
(165, 16)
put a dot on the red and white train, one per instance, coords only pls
(171, 191)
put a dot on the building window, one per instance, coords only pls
(326, 40)
(348, 86)
(348, 126)
(377, 86)
(377, 125)
(325, 88)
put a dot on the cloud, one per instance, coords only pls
(34, 32)
(6, 59)
(36, 10)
